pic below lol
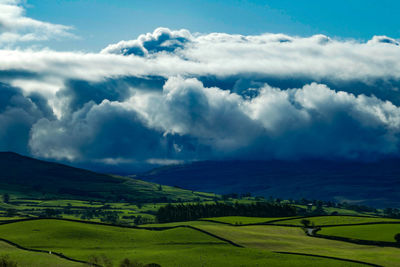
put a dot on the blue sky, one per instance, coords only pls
(100, 22)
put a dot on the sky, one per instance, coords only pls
(112, 21)
(135, 84)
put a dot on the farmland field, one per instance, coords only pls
(34, 259)
(175, 247)
(293, 239)
(374, 232)
(237, 220)
(337, 220)
(209, 243)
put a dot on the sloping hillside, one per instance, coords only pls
(29, 177)
(376, 184)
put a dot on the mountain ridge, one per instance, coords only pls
(29, 177)
(372, 183)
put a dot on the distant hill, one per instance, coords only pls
(376, 184)
(28, 177)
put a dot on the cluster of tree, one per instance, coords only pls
(235, 196)
(359, 208)
(107, 216)
(139, 219)
(5, 261)
(182, 212)
(392, 213)
(103, 260)
(6, 198)
(332, 204)
(319, 204)
(397, 238)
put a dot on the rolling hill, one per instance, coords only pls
(376, 184)
(28, 177)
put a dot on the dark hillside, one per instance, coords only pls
(376, 184)
(26, 176)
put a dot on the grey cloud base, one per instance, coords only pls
(170, 96)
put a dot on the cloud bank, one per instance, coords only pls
(15, 26)
(173, 96)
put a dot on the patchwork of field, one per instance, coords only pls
(207, 242)
(336, 220)
(238, 220)
(293, 239)
(173, 247)
(77, 209)
(373, 232)
(34, 259)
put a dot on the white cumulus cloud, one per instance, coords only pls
(15, 26)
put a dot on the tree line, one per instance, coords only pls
(187, 212)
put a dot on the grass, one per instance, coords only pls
(175, 247)
(374, 232)
(30, 178)
(33, 259)
(337, 220)
(293, 239)
(340, 211)
(237, 220)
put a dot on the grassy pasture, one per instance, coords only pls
(33, 259)
(337, 220)
(293, 239)
(237, 220)
(374, 232)
(341, 211)
(175, 247)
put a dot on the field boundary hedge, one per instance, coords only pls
(358, 241)
(133, 227)
(273, 222)
(57, 254)
(328, 257)
(355, 224)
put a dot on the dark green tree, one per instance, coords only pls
(6, 198)
(11, 212)
(397, 237)
(306, 223)
(5, 261)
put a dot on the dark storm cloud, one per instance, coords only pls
(309, 122)
(97, 131)
(18, 113)
(80, 92)
(169, 96)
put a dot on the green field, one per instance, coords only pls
(293, 239)
(184, 246)
(237, 220)
(337, 220)
(374, 232)
(175, 247)
(34, 259)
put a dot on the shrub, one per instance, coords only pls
(397, 237)
(6, 262)
(305, 222)
(101, 260)
(129, 263)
